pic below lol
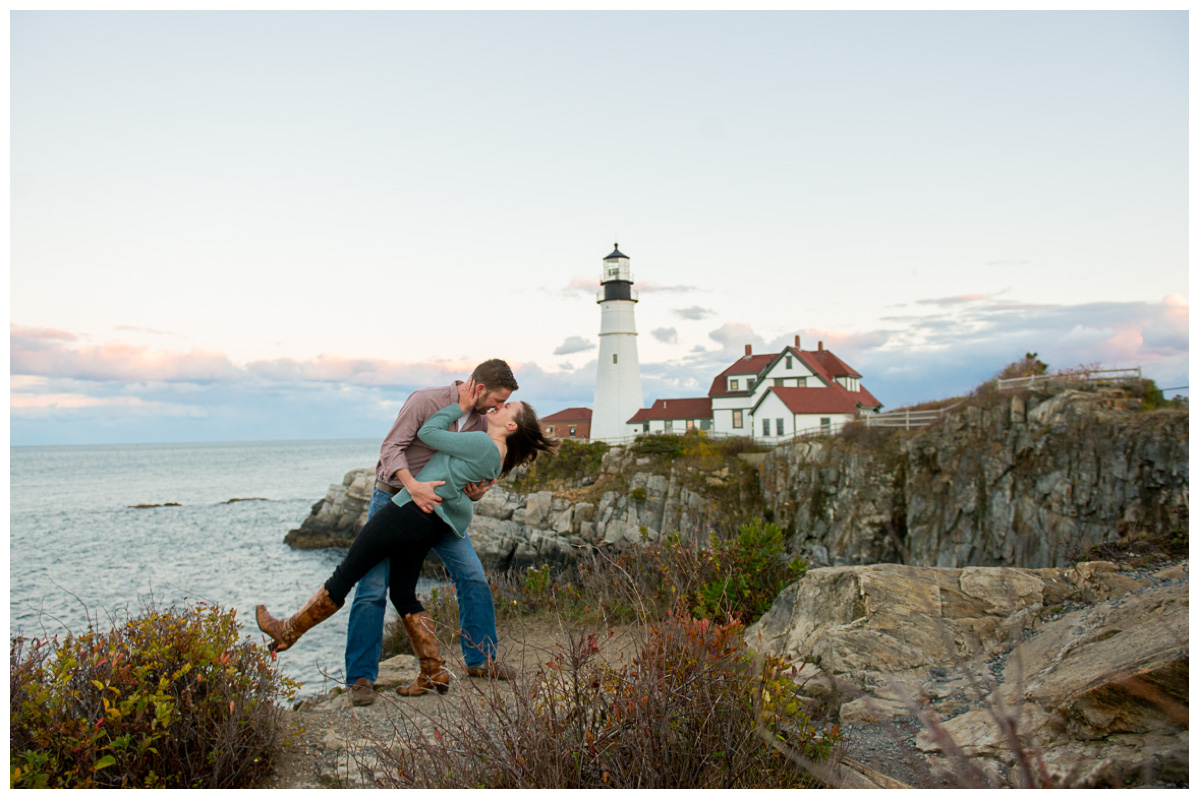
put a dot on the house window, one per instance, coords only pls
(802, 381)
(787, 362)
(779, 427)
(737, 419)
(572, 429)
(749, 383)
(779, 381)
(766, 427)
(614, 358)
(690, 424)
(646, 426)
(667, 425)
(706, 424)
(549, 429)
(733, 384)
(824, 424)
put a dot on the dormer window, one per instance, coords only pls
(733, 384)
(749, 383)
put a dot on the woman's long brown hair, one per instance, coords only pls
(527, 441)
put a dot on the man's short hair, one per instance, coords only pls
(495, 374)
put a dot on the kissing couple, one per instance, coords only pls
(458, 440)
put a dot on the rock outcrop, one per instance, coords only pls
(1089, 663)
(1029, 481)
(514, 529)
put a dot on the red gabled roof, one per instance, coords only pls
(822, 399)
(570, 415)
(831, 365)
(746, 365)
(675, 408)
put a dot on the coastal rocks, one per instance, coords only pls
(1028, 482)
(338, 517)
(515, 530)
(512, 530)
(1091, 663)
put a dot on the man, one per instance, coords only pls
(400, 459)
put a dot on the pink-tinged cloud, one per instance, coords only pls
(578, 285)
(40, 334)
(361, 371)
(115, 361)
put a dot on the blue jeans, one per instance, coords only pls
(476, 614)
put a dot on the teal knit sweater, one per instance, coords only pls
(461, 458)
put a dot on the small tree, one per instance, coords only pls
(1027, 367)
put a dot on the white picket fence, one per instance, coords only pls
(1081, 375)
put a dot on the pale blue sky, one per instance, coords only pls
(232, 225)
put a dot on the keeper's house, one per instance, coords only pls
(768, 397)
(571, 423)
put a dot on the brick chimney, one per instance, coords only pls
(747, 349)
(797, 341)
(820, 345)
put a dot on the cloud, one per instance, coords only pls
(137, 329)
(657, 287)
(1017, 262)
(63, 390)
(32, 335)
(954, 301)
(667, 335)
(113, 361)
(695, 312)
(733, 335)
(579, 285)
(573, 344)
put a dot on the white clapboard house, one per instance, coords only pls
(768, 397)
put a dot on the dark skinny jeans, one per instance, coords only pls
(403, 534)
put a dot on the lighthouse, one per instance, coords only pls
(618, 377)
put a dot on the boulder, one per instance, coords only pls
(1089, 663)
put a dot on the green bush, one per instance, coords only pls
(573, 462)
(732, 579)
(169, 699)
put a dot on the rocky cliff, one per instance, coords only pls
(632, 497)
(1031, 481)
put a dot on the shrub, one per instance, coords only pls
(169, 699)
(573, 462)
(688, 712)
(735, 578)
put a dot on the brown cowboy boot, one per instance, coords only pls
(495, 670)
(319, 608)
(434, 674)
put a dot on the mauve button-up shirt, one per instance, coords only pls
(402, 449)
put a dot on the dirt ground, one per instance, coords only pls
(332, 744)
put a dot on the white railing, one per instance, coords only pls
(1081, 375)
(906, 419)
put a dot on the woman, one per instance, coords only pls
(404, 533)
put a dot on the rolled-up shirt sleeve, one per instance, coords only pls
(416, 409)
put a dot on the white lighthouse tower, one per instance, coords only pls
(618, 377)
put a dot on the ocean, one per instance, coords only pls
(78, 552)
